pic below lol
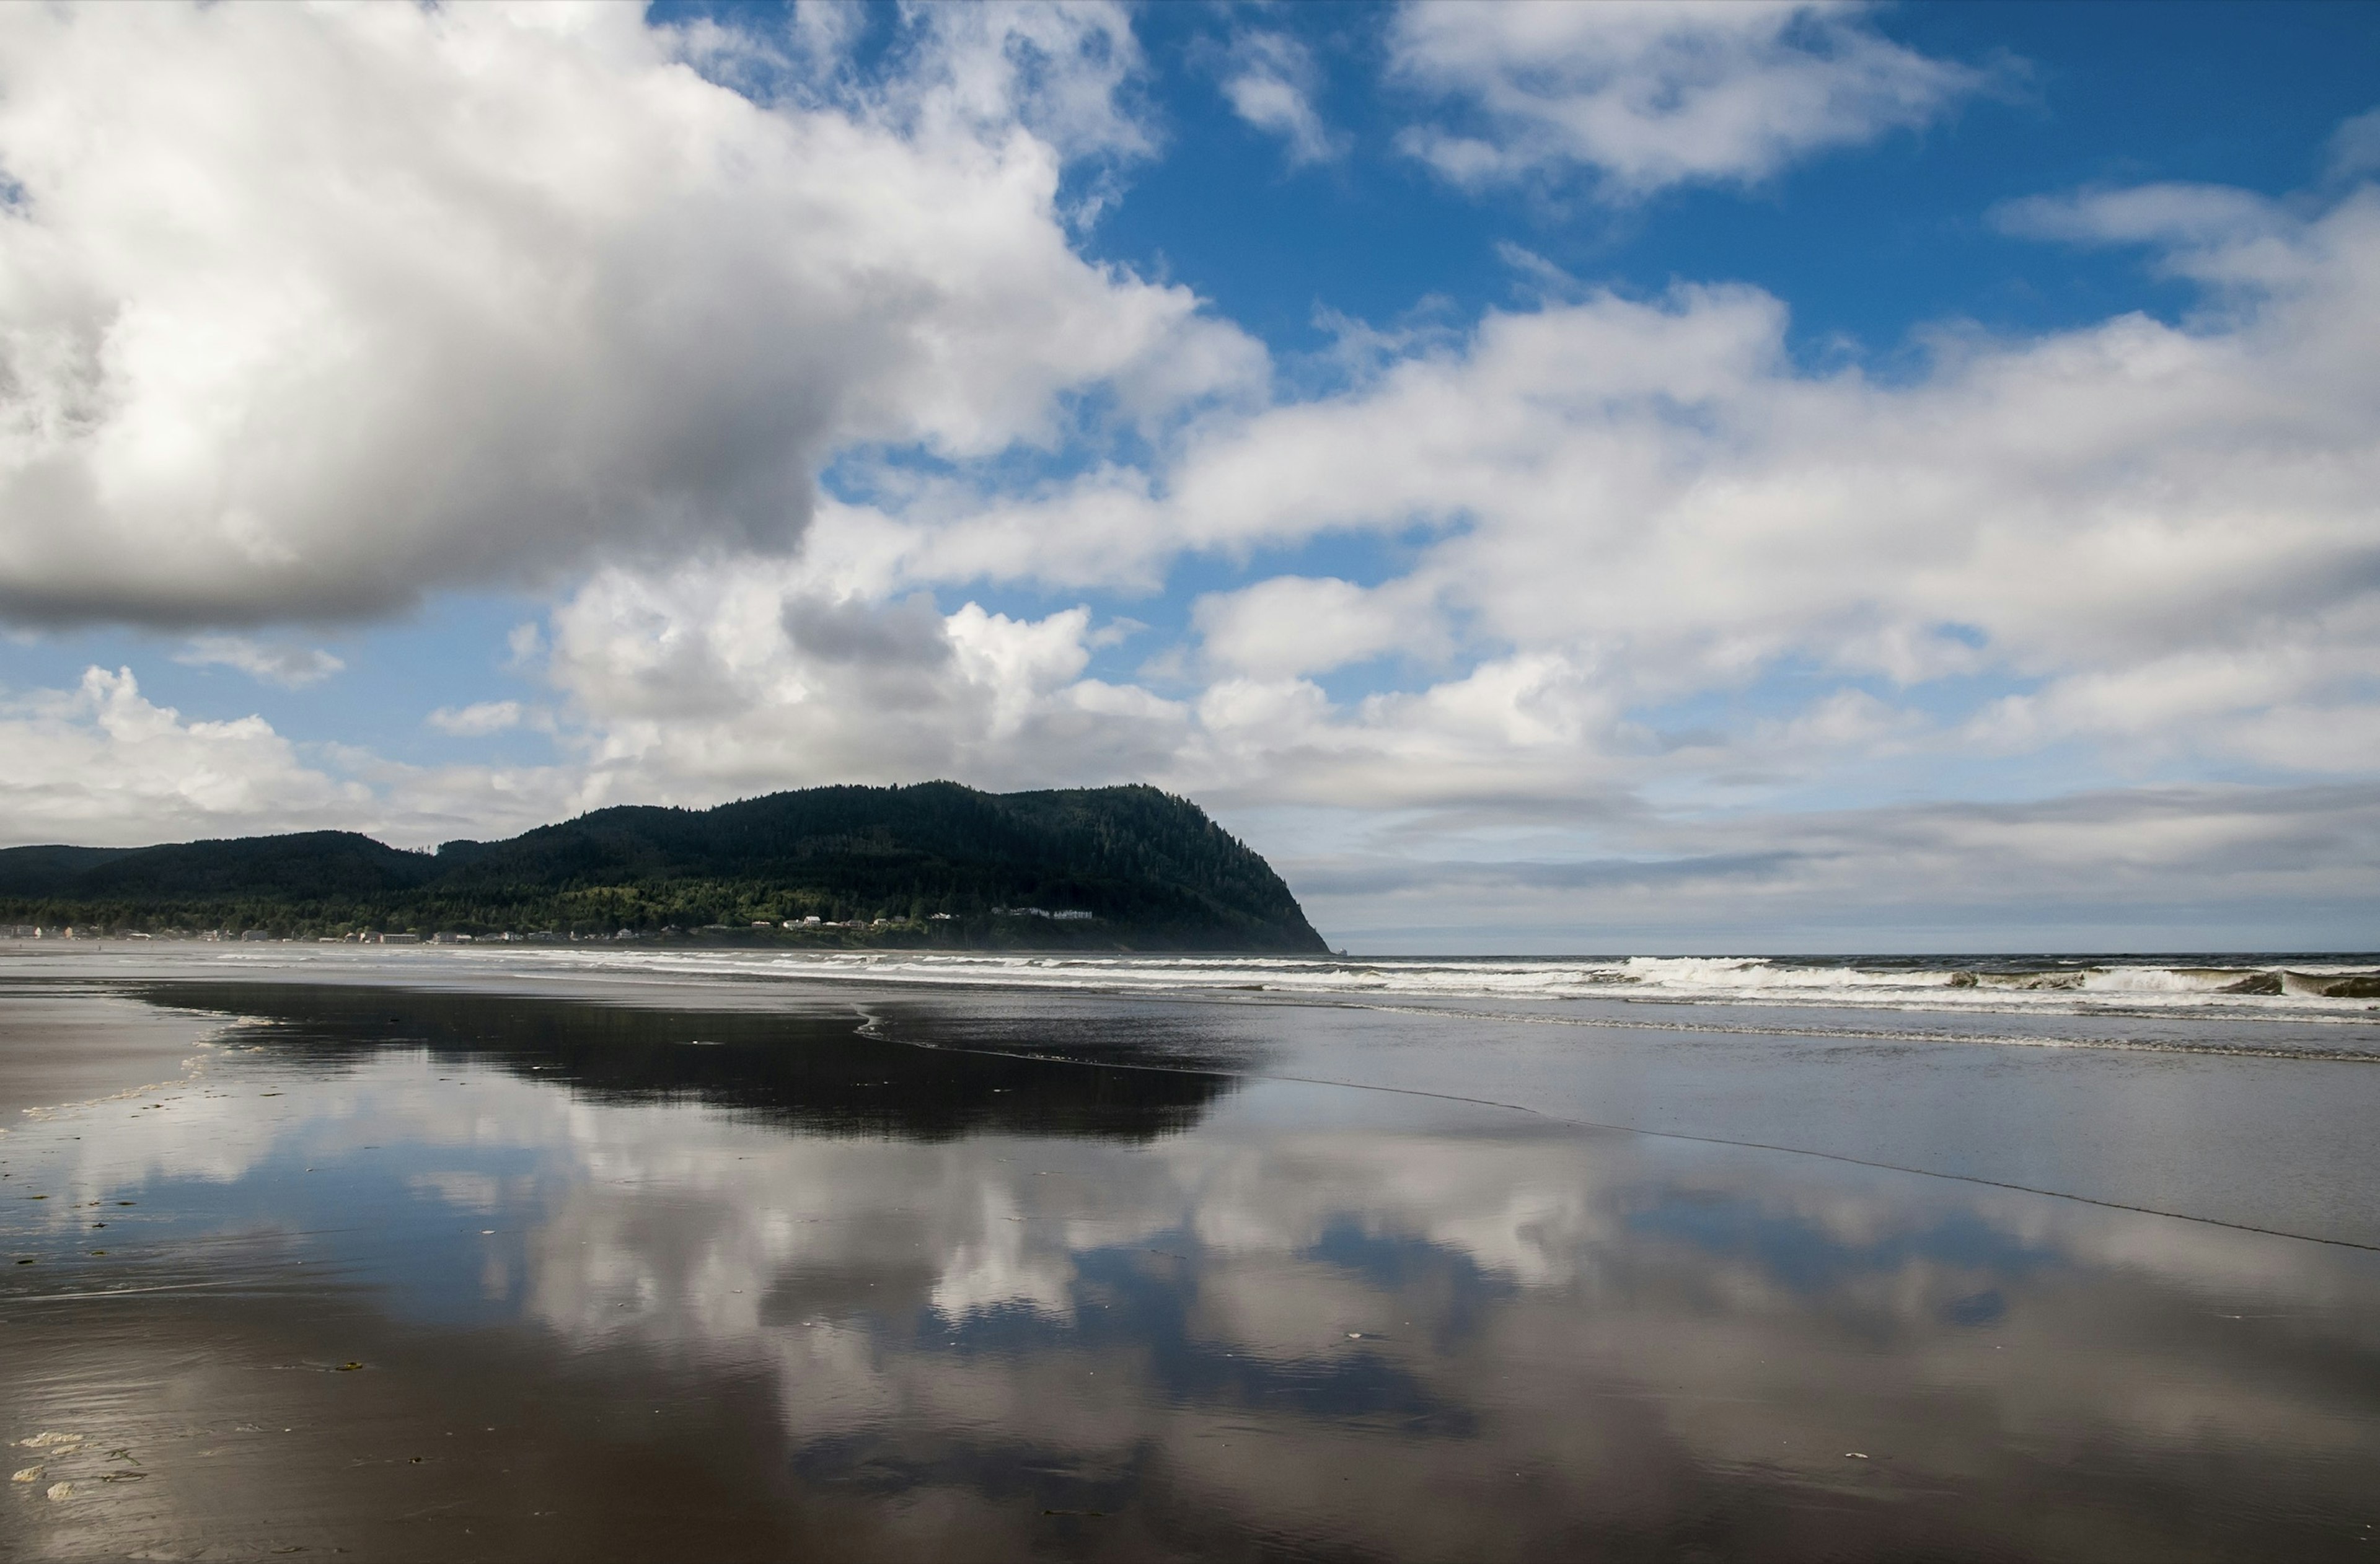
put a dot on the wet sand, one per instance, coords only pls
(68, 1042)
(456, 1271)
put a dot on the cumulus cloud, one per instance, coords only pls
(1270, 84)
(2143, 527)
(1057, 70)
(102, 764)
(305, 311)
(1651, 93)
(290, 667)
(717, 680)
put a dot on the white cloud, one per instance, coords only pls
(104, 766)
(1293, 625)
(2355, 147)
(306, 311)
(2170, 214)
(1270, 83)
(478, 720)
(1649, 500)
(2210, 233)
(290, 667)
(715, 681)
(1058, 70)
(1651, 93)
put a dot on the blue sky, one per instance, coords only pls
(1552, 478)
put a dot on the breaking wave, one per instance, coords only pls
(2309, 989)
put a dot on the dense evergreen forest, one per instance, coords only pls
(934, 865)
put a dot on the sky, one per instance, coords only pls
(1602, 479)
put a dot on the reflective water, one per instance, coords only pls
(477, 1272)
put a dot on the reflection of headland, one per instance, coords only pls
(813, 1072)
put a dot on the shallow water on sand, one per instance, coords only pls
(420, 1263)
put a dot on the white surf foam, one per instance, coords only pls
(2299, 990)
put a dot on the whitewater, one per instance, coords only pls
(2327, 988)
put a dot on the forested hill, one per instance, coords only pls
(1152, 872)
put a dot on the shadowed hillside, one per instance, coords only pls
(1152, 872)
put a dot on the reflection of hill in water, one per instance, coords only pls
(809, 1071)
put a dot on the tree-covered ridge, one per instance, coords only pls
(1152, 871)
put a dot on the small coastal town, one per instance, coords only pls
(741, 933)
